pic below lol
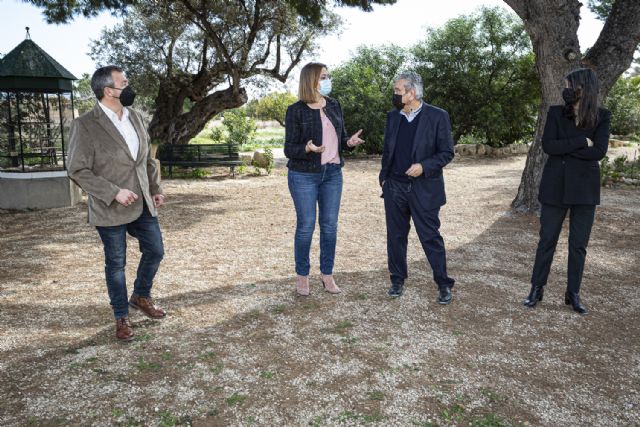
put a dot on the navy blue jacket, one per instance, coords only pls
(303, 123)
(571, 175)
(432, 148)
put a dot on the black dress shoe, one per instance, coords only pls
(395, 290)
(445, 296)
(535, 296)
(574, 300)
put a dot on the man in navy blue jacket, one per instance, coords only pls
(417, 145)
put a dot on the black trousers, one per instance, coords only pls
(580, 223)
(401, 205)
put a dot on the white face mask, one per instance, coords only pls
(325, 87)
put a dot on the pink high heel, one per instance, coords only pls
(302, 285)
(332, 288)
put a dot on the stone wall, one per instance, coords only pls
(29, 192)
(478, 150)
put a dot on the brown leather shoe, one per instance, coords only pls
(123, 329)
(147, 307)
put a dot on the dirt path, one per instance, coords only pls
(240, 349)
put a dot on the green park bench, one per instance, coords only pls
(199, 155)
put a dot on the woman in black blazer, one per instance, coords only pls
(576, 137)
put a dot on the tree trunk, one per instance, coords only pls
(170, 125)
(552, 27)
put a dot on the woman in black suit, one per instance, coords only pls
(576, 137)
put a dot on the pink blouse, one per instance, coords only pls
(329, 141)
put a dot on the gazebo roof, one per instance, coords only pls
(29, 68)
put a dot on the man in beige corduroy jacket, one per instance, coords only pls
(109, 158)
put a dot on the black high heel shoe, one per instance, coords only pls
(574, 300)
(535, 296)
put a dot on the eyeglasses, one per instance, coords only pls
(325, 77)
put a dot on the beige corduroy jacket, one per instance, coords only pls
(101, 164)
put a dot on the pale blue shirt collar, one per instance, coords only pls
(413, 113)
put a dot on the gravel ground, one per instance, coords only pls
(239, 348)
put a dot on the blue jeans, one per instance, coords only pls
(114, 238)
(323, 189)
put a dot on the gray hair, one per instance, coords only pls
(413, 81)
(102, 78)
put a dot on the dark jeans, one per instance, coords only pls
(147, 230)
(551, 219)
(309, 189)
(401, 205)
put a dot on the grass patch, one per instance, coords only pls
(317, 421)
(490, 420)
(454, 413)
(217, 369)
(167, 420)
(373, 418)
(349, 340)
(207, 356)
(235, 399)
(347, 416)
(376, 395)
(267, 375)
(491, 395)
(143, 365)
(344, 324)
(279, 309)
(143, 337)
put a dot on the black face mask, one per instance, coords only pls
(397, 101)
(126, 96)
(569, 95)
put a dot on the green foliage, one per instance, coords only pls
(197, 173)
(60, 12)
(274, 106)
(313, 10)
(217, 135)
(189, 61)
(490, 420)
(269, 155)
(134, 45)
(480, 68)
(250, 108)
(364, 87)
(167, 419)
(240, 128)
(619, 170)
(83, 97)
(267, 375)
(601, 8)
(470, 138)
(235, 399)
(624, 102)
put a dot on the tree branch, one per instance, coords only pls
(613, 51)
